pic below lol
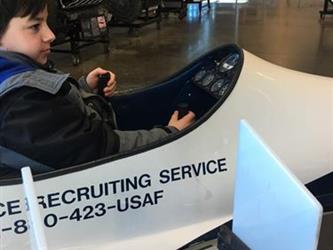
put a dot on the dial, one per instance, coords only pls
(223, 89)
(217, 85)
(228, 62)
(198, 76)
(207, 79)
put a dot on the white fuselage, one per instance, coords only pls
(184, 188)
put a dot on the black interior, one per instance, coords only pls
(193, 85)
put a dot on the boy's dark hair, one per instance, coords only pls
(19, 8)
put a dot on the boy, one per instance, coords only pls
(46, 115)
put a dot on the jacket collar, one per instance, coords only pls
(17, 70)
(22, 59)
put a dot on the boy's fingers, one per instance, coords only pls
(189, 116)
(174, 116)
(109, 90)
(112, 83)
(112, 76)
(110, 87)
(99, 71)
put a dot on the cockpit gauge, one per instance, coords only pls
(223, 89)
(217, 85)
(228, 63)
(198, 76)
(207, 79)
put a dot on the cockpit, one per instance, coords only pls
(201, 87)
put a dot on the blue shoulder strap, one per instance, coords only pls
(10, 68)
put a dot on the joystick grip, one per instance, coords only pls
(102, 82)
(183, 109)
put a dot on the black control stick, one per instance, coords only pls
(183, 109)
(102, 82)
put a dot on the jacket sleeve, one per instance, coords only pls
(129, 140)
(132, 139)
(83, 85)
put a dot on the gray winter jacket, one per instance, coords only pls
(51, 118)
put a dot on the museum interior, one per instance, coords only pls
(145, 44)
(288, 33)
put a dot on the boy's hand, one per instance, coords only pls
(182, 123)
(92, 81)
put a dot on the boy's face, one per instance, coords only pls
(29, 36)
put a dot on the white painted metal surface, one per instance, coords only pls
(272, 208)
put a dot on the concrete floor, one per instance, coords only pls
(288, 33)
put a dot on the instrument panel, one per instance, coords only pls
(217, 76)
